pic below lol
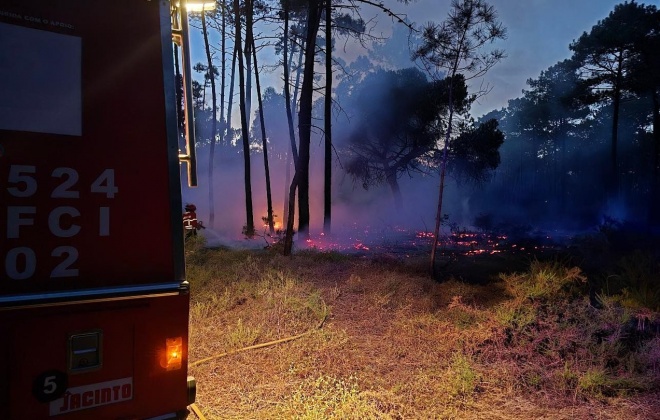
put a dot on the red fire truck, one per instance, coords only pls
(93, 298)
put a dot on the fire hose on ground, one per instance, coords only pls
(196, 409)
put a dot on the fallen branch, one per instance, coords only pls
(262, 345)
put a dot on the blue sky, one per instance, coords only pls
(539, 33)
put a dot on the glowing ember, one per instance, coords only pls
(424, 234)
(408, 243)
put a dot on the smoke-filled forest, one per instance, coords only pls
(366, 137)
(334, 158)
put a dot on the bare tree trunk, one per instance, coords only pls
(616, 104)
(249, 42)
(287, 182)
(291, 103)
(288, 236)
(654, 208)
(299, 72)
(249, 225)
(289, 114)
(305, 118)
(231, 94)
(327, 178)
(206, 83)
(393, 183)
(223, 69)
(443, 170)
(264, 142)
(294, 110)
(563, 187)
(214, 121)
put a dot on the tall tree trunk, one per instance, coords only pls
(249, 225)
(654, 211)
(305, 118)
(291, 102)
(655, 96)
(288, 236)
(223, 69)
(289, 114)
(563, 177)
(443, 170)
(214, 121)
(327, 178)
(249, 42)
(445, 153)
(614, 171)
(231, 94)
(287, 182)
(613, 187)
(299, 73)
(206, 84)
(264, 142)
(390, 176)
(290, 197)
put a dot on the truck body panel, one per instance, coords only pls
(93, 303)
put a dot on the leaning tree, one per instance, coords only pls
(455, 47)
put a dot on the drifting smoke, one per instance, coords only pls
(537, 187)
(354, 209)
(554, 187)
(553, 183)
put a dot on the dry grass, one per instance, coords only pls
(397, 345)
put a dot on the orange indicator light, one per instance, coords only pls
(174, 348)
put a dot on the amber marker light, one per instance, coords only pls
(174, 353)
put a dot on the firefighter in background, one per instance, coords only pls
(190, 223)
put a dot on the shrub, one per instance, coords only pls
(639, 274)
(327, 397)
(462, 378)
(544, 281)
(547, 323)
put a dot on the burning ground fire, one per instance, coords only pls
(405, 242)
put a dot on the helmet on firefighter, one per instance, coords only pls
(190, 207)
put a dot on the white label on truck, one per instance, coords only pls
(93, 395)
